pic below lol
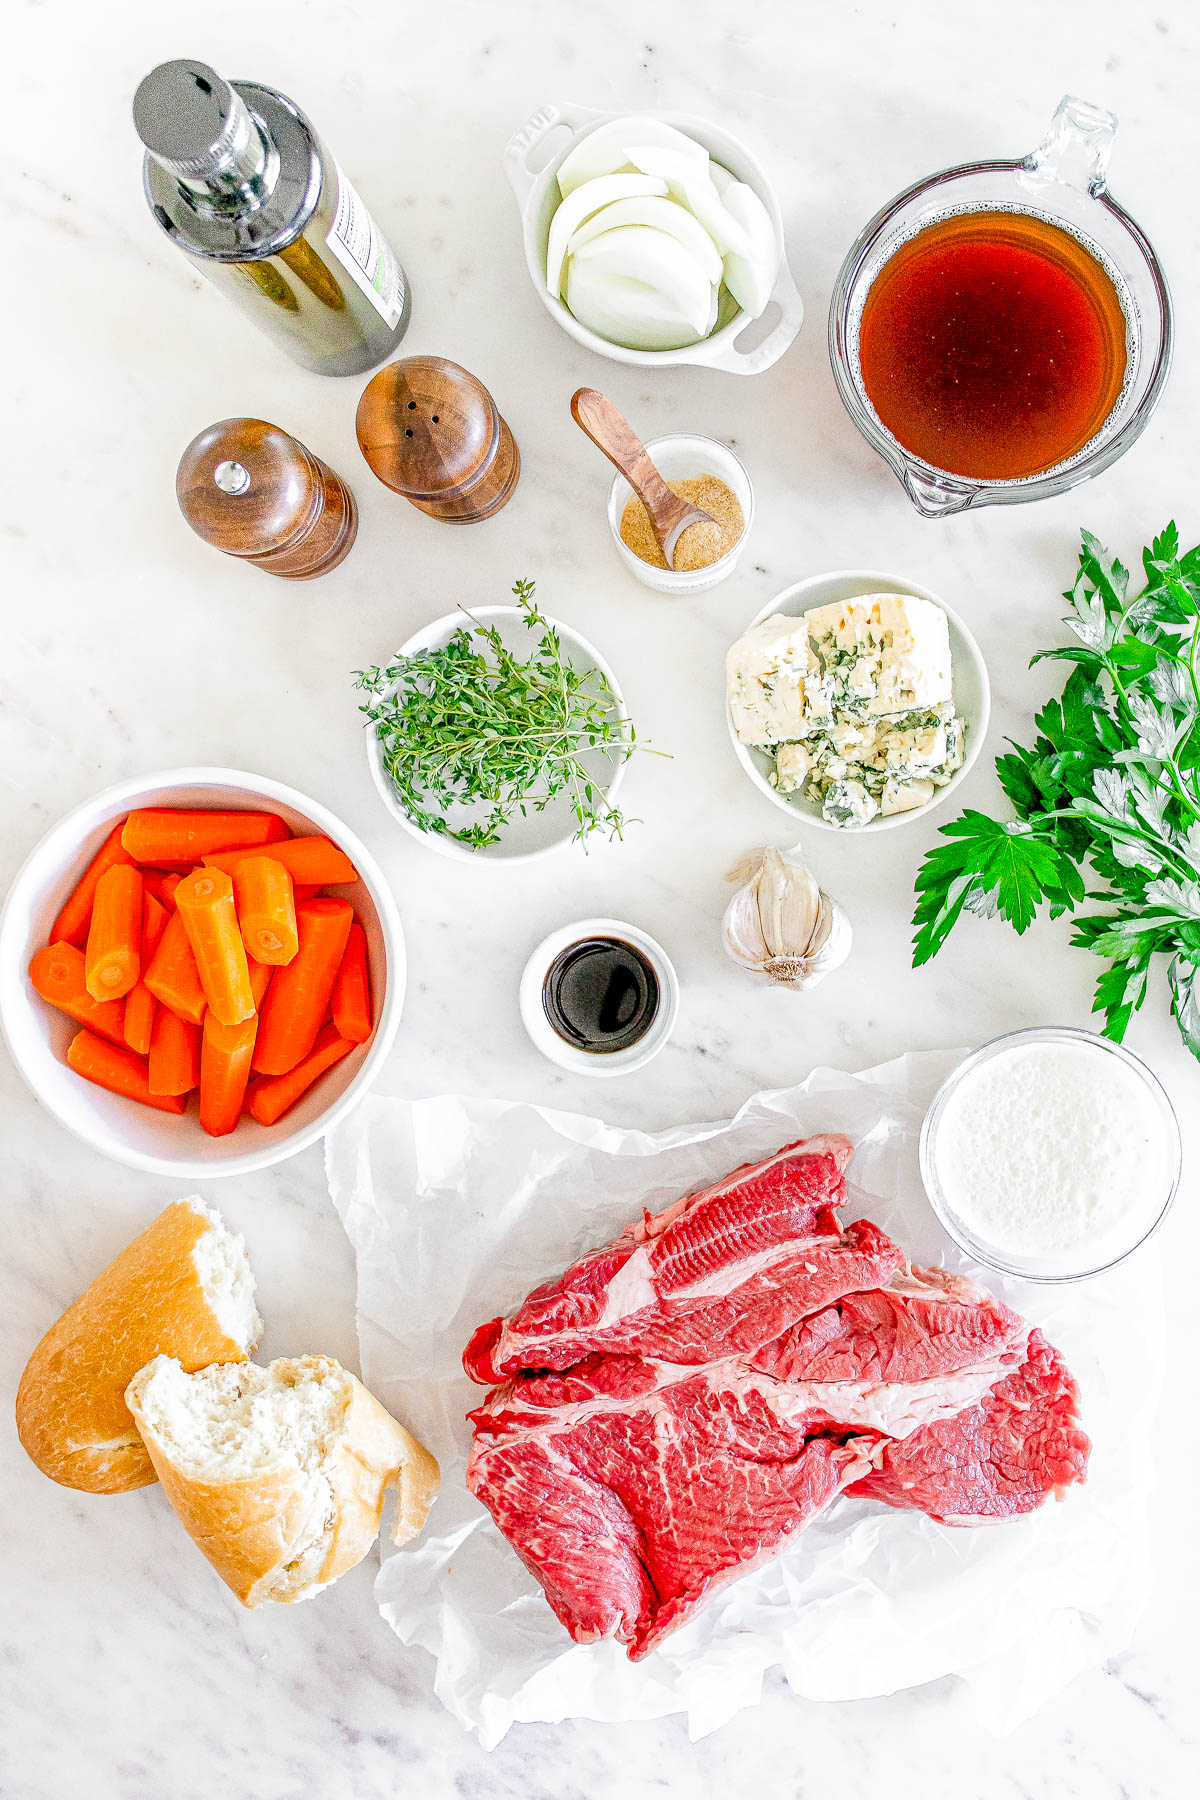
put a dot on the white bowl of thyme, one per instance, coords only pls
(498, 734)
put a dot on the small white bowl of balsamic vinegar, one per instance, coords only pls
(599, 997)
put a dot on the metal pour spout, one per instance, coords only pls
(202, 132)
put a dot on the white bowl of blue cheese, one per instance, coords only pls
(856, 699)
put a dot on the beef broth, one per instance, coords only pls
(993, 345)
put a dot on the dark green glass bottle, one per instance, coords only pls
(238, 178)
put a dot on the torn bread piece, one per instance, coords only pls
(279, 1473)
(182, 1287)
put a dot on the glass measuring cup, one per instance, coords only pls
(1063, 181)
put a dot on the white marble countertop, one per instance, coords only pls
(128, 1672)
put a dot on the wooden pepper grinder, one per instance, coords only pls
(250, 490)
(433, 433)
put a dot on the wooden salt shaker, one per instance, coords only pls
(432, 432)
(251, 491)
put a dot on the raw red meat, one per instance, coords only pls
(726, 1268)
(695, 1393)
(923, 1322)
(1001, 1456)
(616, 1510)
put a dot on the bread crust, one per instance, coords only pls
(71, 1413)
(251, 1527)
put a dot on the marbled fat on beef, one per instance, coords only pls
(728, 1267)
(1003, 1455)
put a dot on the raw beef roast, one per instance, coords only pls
(728, 1267)
(678, 1404)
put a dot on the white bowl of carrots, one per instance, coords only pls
(200, 971)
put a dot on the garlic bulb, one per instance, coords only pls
(780, 924)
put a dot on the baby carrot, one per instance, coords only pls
(272, 1095)
(118, 1070)
(57, 975)
(166, 889)
(152, 881)
(173, 977)
(266, 908)
(164, 834)
(225, 1054)
(112, 960)
(140, 1002)
(352, 989)
(174, 1062)
(71, 925)
(204, 901)
(301, 990)
(260, 980)
(310, 861)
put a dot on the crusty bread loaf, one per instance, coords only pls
(182, 1287)
(279, 1473)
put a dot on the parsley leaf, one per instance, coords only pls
(1110, 783)
(1184, 977)
(1012, 867)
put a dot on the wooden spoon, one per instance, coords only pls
(598, 418)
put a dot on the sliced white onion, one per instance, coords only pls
(584, 201)
(662, 215)
(696, 191)
(750, 276)
(625, 312)
(640, 253)
(605, 150)
(714, 307)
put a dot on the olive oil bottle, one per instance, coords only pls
(237, 177)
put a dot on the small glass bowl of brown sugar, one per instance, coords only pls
(710, 476)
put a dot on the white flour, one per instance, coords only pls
(1047, 1149)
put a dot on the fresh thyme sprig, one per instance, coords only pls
(474, 725)
(1111, 780)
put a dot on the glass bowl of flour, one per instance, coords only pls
(1051, 1154)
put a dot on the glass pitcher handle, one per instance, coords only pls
(1076, 148)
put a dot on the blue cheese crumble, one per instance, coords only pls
(854, 700)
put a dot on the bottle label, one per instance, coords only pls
(365, 253)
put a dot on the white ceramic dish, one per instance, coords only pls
(1059, 1269)
(37, 1035)
(972, 692)
(536, 188)
(585, 1062)
(680, 457)
(540, 832)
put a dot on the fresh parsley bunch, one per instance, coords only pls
(1109, 786)
(472, 724)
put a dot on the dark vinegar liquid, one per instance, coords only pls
(992, 345)
(600, 994)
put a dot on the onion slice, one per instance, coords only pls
(605, 150)
(639, 253)
(696, 192)
(582, 203)
(751, 277)
(662, 215)
(624, 311)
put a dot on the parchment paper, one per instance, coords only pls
(456, 1207)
